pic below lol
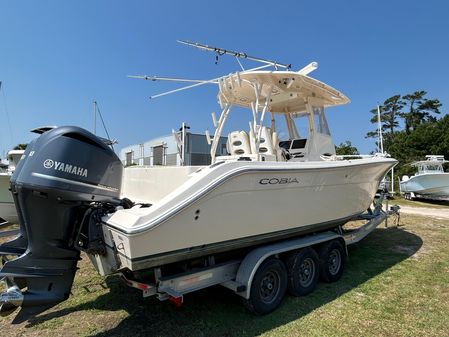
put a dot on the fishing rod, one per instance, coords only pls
(221, 51)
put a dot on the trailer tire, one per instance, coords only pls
(303, 271)
(332, 258)
(268, 287)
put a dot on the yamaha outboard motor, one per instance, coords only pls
(68, 179)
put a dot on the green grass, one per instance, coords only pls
(395, 284)
(421, 202)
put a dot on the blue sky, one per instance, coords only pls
(56, 57)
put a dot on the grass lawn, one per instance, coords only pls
(396, 283)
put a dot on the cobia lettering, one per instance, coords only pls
(278, 181)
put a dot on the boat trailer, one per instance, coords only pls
(237, 274)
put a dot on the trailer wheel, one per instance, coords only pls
(332, 257)
(303, 272)
(268, 287)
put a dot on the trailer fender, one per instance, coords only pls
(252, 261)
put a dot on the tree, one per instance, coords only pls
(420, 109)
(390, 110)
(18, 147)
(346, 148)
(422, 134)
(427, 138)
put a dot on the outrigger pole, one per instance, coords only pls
(196, 83)
(173, 79)
(221, 51)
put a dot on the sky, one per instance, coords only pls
(57, 57)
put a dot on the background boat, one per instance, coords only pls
(430, 181)
(7, 208)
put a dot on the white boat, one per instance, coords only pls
(260, 192)
(76, 194)
(429, 181)
(7, 209)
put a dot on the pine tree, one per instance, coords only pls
(390, 111)
(346, 148)
(419, 110)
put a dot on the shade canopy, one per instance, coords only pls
(289, 91)
(431, 160)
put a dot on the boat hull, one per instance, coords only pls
(235, 205)
(430, 185)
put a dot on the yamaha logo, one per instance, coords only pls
(48, 163)
(64, 167)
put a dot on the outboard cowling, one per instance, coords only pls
(66, 173)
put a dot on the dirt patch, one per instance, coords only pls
(438, 213)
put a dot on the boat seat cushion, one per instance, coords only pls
(238, 143)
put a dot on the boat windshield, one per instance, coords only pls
(312, 120)
(320, 120)
(430, 168)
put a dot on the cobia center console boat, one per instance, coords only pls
(73, 195)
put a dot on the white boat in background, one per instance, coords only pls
(429, 181)
(7, 208)
(148, 220)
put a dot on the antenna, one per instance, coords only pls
(95, 117)
(220, 51)
(381, 142)
(308, 68)
(108, 141)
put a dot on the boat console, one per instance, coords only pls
(296, 148)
